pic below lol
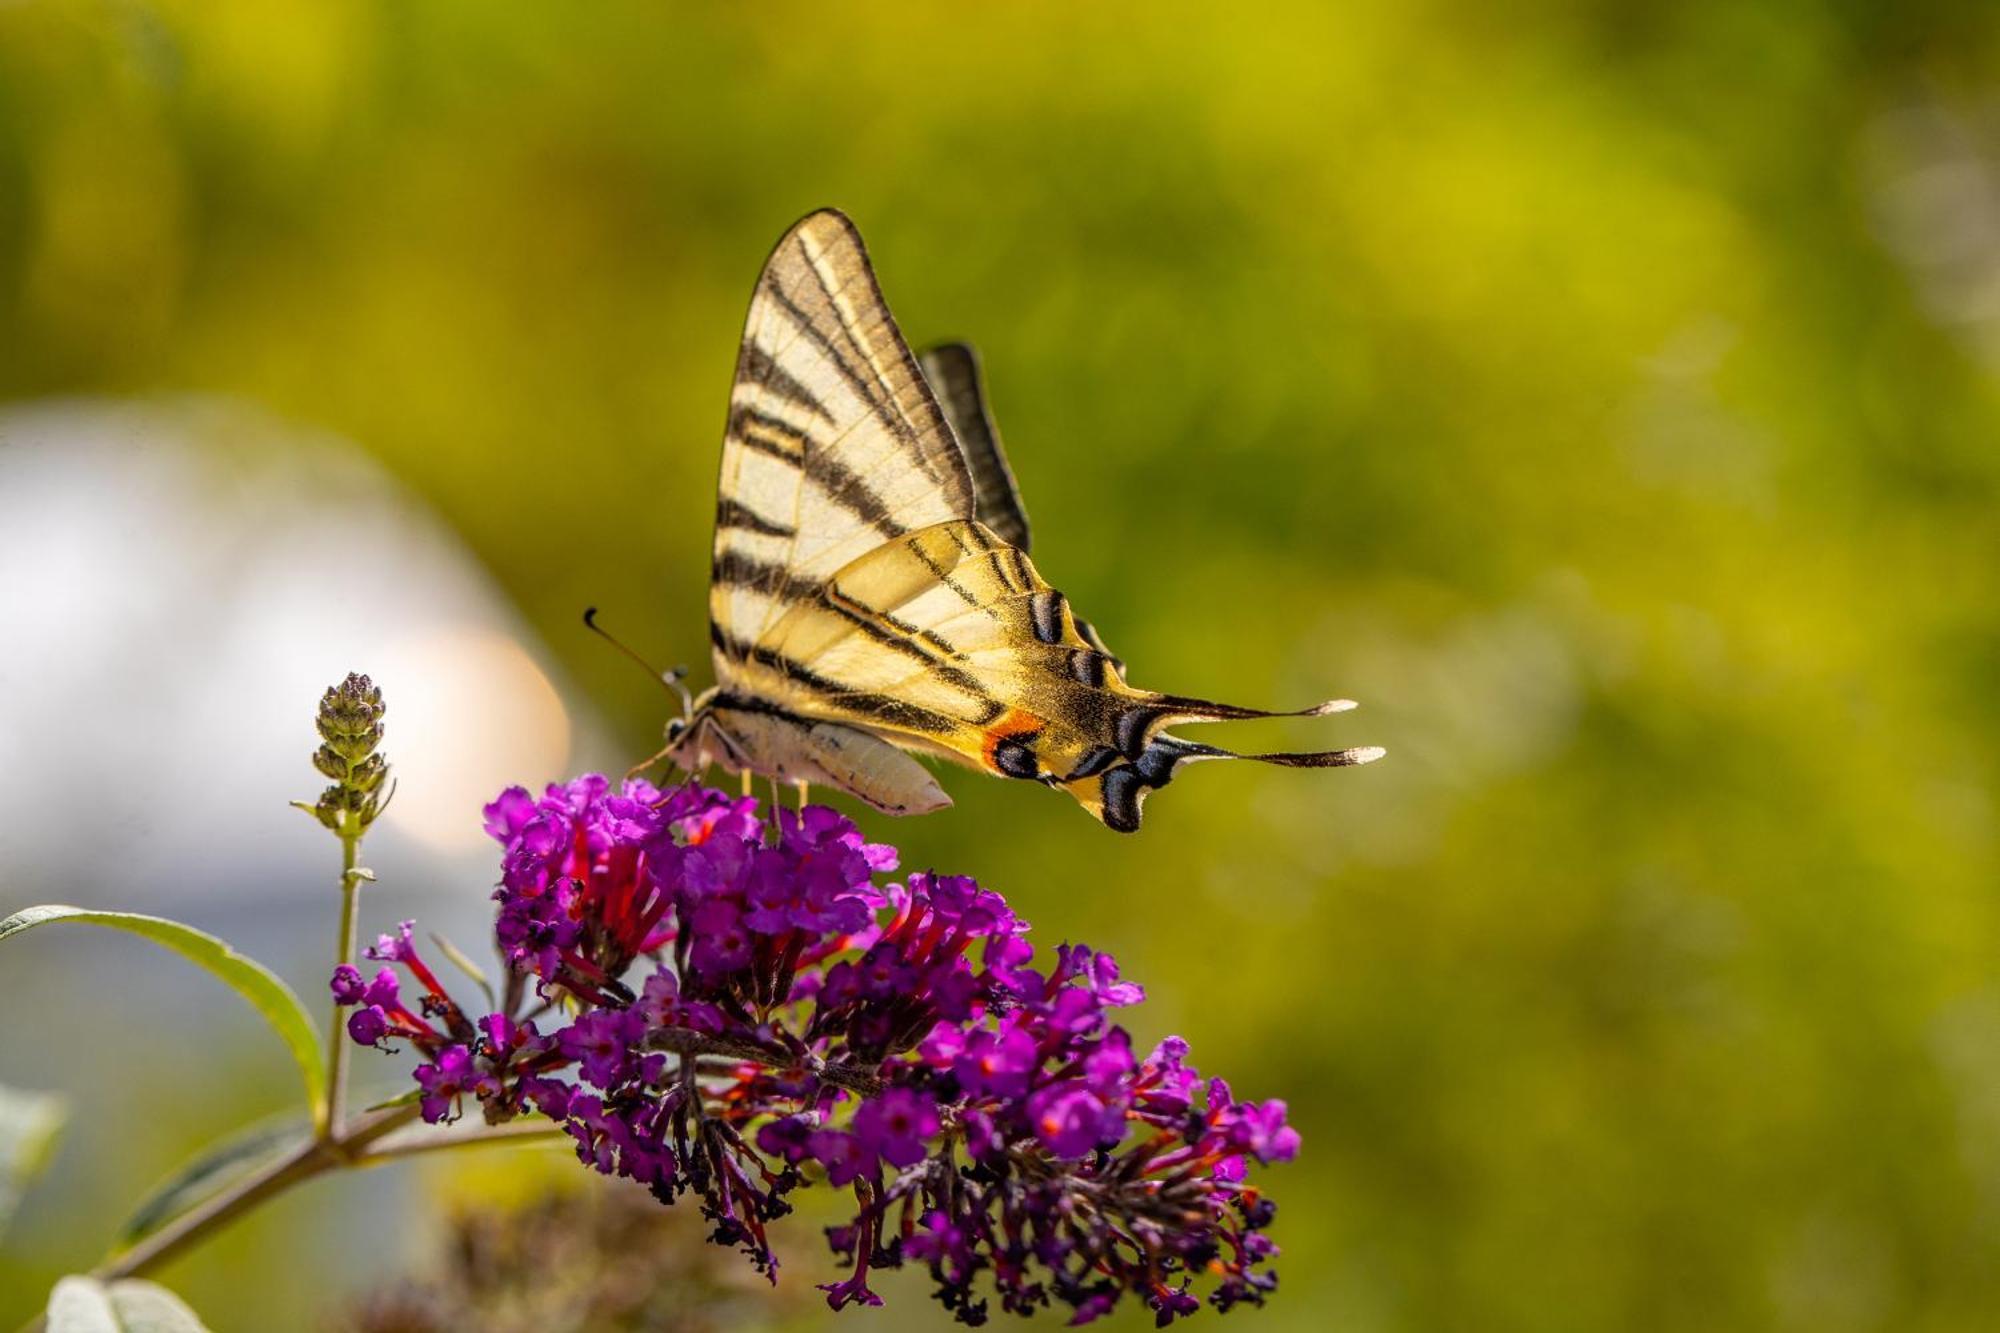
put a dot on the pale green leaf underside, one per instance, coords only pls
(85, 1305)
(256, 983)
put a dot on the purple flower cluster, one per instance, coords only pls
(736, 1006)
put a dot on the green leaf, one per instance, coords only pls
(463, 963)
(30, 1123)
(85, 1305)
(409, 1098)
(251, 979)
(202, 1175)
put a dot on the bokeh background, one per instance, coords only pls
(1607, 396)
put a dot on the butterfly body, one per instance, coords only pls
(871, 595)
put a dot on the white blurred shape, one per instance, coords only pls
(179, 581)
(473, 714)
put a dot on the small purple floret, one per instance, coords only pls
(347, 984)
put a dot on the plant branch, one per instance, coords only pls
(425, 1140)
(362, 1145)
(308, 1160)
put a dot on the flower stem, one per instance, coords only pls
(685, 1042)
(335, 1110)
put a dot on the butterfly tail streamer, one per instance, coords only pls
(1116, 792)
(1186, 709)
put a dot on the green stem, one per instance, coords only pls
(334, 1114)
(360, 1146)
(308, 1160)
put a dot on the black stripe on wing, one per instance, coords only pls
(756, 369)
(734, 515)
(849, 700)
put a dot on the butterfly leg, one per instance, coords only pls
(645, 764)
(773, 814)
(805, 790)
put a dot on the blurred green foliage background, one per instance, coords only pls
(1607, 396)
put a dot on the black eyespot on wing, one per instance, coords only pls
(1087, 667)
(1095, 761)
(1045, 609)
(1129, 731)
(1155, 766)
(1120, 790)
(1015, 755)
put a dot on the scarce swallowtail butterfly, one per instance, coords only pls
(871, 595)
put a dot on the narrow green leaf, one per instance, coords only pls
(85, 1305)
(463, 963)
(252, 980)
(30, 1124)
(410, 1098)
(214, 1166)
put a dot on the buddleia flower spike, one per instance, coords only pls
(350, 733)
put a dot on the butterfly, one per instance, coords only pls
(871, 596)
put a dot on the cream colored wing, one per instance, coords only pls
(835, 443)
(857, 602)
(960, 385)
(949, 642)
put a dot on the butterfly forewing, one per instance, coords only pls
(834, 444)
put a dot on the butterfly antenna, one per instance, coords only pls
(675, 680)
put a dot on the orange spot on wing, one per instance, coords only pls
(1013, 722)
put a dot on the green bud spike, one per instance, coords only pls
(350, 726)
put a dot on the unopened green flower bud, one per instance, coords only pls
(350, 729)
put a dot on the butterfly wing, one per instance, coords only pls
(856, 598)
(955, 377)
(835, 443)
(947, 640)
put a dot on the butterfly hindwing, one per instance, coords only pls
(960, 385)
(966, 652)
